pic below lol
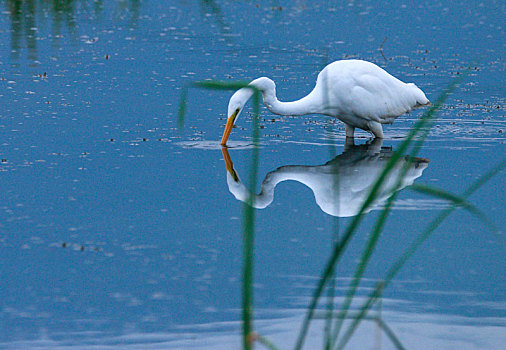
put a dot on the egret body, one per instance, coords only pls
(359, 93)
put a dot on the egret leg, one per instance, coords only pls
(375, 128)
(350, 130)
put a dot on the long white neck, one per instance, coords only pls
(266, 195)
(309, 104)
(240, 192)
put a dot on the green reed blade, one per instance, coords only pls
(352, 227)
(458, 201)
(249, 234)
(206, 84)
(423, 129)
(390, 334)
(266, 342)
(248, 209)
(364, 259)
(182, 108)
(371, 243)
(247, 275)
(335, 230)
(381, 323)
(411, 250)
(221, 85)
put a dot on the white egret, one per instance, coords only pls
(359, 93)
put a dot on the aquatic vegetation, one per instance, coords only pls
(411, 144)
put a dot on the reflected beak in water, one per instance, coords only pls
(228, 163)
(228, 127)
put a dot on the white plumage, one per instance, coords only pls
(340, 186)
(359, 93)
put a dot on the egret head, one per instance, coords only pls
(235, 106)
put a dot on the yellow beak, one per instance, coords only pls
(228, 127)
(228, 163)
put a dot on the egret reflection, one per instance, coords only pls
(341, 185)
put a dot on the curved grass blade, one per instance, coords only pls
(382, 325)
(266, 342)
(373, 240)
(341, 245)
(421, 123)
(458, 201)
(222, 85)
(206, 84)
(423, 129)
(364, 259)
(390, 334)
(411, 250)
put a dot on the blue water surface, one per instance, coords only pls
(120, 230)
